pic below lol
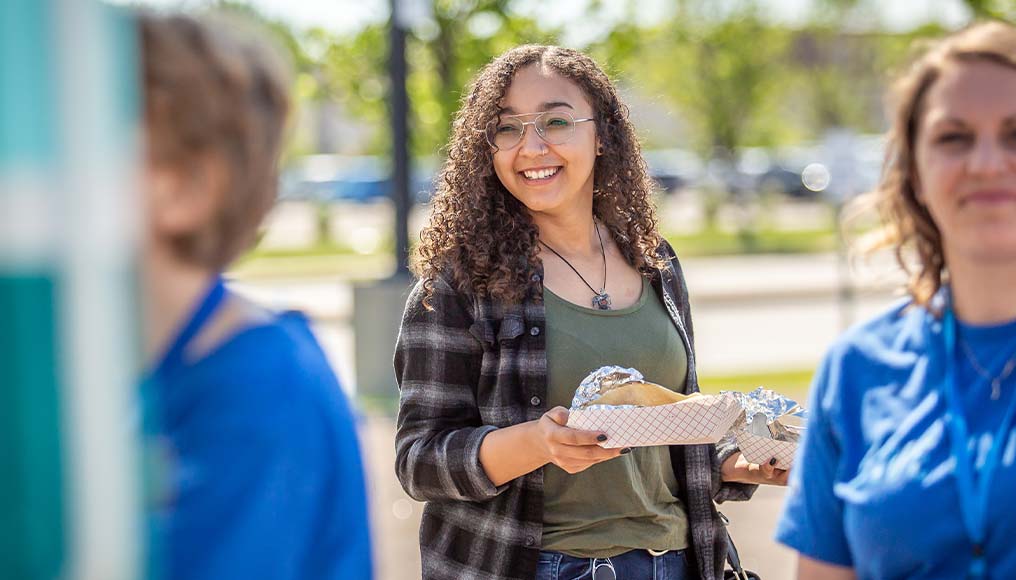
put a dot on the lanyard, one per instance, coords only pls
(174, 358)
(973, 491)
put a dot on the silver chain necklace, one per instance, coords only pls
(601, 299)
(996, 381)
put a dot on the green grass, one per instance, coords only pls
(790, 383)
(327, 248)
(383, 405)
(715, 242)
(332, 259)
(314, 264)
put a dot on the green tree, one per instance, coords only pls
(722, 65)
(443, 54)
(723, 70)
(465, 36)
(1005, 9)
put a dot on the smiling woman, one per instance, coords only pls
(541, 262)
(901, 401)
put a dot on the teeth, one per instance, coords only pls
(540, 173)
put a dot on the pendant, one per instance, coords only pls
(602, 301)
(996, 389)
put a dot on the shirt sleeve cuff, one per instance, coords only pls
(725, 490)
(797, 539)
(483, 487)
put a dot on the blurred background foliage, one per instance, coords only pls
(730, 76)
(723, 90)
(726, 74)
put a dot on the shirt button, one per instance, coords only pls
(534, 330)
(530, 540)
(535, 401)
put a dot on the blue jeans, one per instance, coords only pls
(633, 565)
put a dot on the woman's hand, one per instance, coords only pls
(573, 450)
(514, 451)
(737, 469)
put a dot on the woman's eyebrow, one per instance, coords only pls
(943, 122)
(543, 107)
(555, 104)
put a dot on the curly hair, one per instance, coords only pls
(907, 226)
(480, 237)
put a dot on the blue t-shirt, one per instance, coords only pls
(266, 479)
(873, 486)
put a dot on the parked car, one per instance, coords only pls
(780, 179)
(673, 169)
(361, 179)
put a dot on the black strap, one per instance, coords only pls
(733, 558)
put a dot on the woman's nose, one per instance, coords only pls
(988, 158)
(532, 144)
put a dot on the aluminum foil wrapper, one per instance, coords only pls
(600, 381)
(769, 414)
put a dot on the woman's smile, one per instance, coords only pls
(540, 175)
(991, 198)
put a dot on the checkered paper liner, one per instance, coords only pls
(701, 419)
(761, 449)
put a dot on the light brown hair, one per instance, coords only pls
(212, 92)
(480, 236)
(908, 227)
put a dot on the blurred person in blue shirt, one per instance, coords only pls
(909, 462)
(265, 478)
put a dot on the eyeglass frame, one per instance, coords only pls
(522, 134)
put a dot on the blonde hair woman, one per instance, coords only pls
(908, 462)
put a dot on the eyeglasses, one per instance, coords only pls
(554, 127)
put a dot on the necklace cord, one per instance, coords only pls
(569, 264)
(996, 380)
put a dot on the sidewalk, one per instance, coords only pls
(754, 278)
(751, 313)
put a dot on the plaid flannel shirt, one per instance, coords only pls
(470, 366)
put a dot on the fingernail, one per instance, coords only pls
(601, 437)
(626, 450)
(772, 461)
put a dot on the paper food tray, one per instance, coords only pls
(701, 419)
(761, 449)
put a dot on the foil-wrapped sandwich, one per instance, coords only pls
(770, 426)
(634, 412)
(619, 386)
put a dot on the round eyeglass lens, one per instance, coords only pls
(554, 127)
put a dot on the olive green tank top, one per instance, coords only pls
(631, 501)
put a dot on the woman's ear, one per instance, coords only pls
(599, 147)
